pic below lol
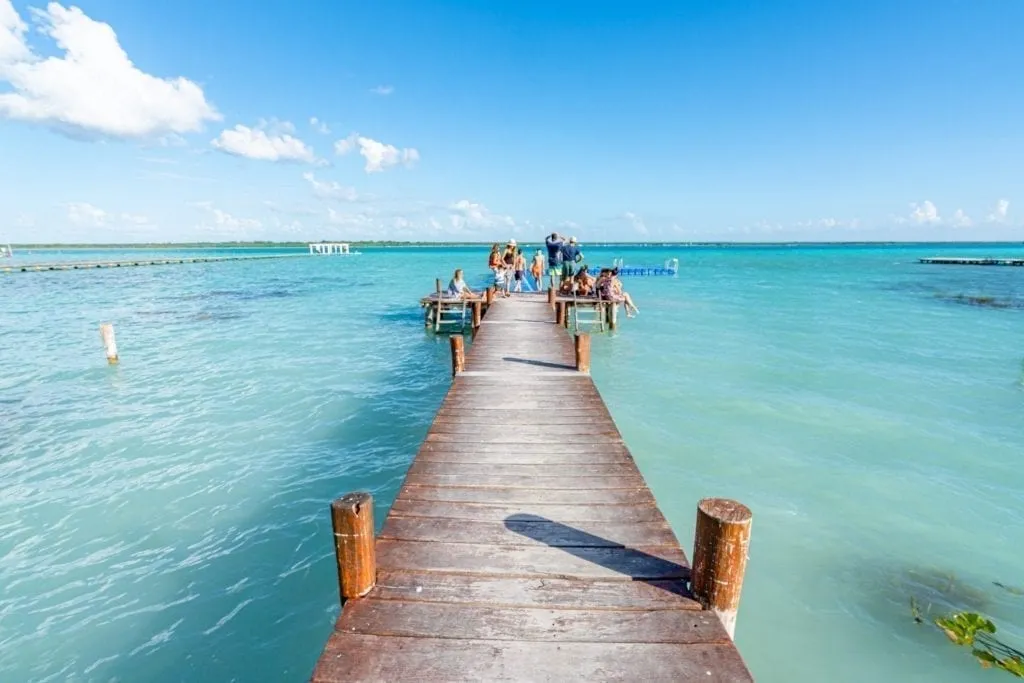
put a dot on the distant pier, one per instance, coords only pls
(129, 263)
(524, 543)
(972, 261)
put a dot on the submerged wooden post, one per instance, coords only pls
(458, 354)
(720, 548)
(109, 343)
(352, 519)
(613, 315)
(551, 296)
(560, 313)
(583, 351)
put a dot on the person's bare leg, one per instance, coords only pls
(629, 304)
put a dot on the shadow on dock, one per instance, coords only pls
(630, 562)
(539, 363)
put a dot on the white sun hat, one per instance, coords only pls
(512, 242)
(572, 240)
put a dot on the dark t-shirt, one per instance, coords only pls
(554, 251)
(570, 252)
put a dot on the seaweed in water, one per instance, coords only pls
(980, 301)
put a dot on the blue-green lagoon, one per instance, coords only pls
(165, 519)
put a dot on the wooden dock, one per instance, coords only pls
(524, 543)
(11, 267)
(972, 261)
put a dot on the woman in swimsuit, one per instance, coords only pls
(537, 268)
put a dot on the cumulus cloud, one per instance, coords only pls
(383, 90)
(636, 222)
(998, 214)
(222, 221)
(319, 126)
(331, 189)
(924, 213)
(961, 219)
(86, 215)
(465, 214)
(93, 87)
(378, 155)
(257, 143)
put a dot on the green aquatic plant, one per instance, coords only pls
(977, 632)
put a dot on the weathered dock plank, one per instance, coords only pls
(524, 543)
(357, 657)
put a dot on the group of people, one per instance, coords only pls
(509, 268)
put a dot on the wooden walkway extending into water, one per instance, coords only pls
(17, 267)
(524, 543)
(972, 261)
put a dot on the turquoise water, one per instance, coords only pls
(166, 519)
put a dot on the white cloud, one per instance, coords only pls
(383, 90)
(319, 126)
(256, 143)
(961, 219)
(94, 87)
(331, 189)
(924, 213)
(225, 222)
(379, 155)
(998, 214)
(87, 215)
(636, 222)
(465, 214)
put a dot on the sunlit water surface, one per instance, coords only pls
(166, 519)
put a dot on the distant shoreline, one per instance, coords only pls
(441, 245)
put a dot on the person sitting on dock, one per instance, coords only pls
(554, 244)
(585, 282)
(609, 288)
(458, 287)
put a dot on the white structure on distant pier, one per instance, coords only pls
(329, 248)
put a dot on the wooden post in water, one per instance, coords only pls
(352, 519)
(568, 306)
(478, 312)
(613, 315)
(560, 313)
(458, 354)
(583, 351)
(720, 548)
(551, 296)
(109, 343)
(437, 310)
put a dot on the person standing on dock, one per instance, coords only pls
(508, 259)
(520, 269)
(571, 255)
(554, 244)
(537, 269)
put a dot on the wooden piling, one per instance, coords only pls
(551, 296)
(583, 351)
(109, 343)
(478, 312)
(354, 544)
(437, 309)
(458, 354)
(565, 322)
(720, 549)
(613, 316)
(560, 313)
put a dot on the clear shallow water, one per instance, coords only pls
(166, 519)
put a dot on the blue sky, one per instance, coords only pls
(728, 120)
